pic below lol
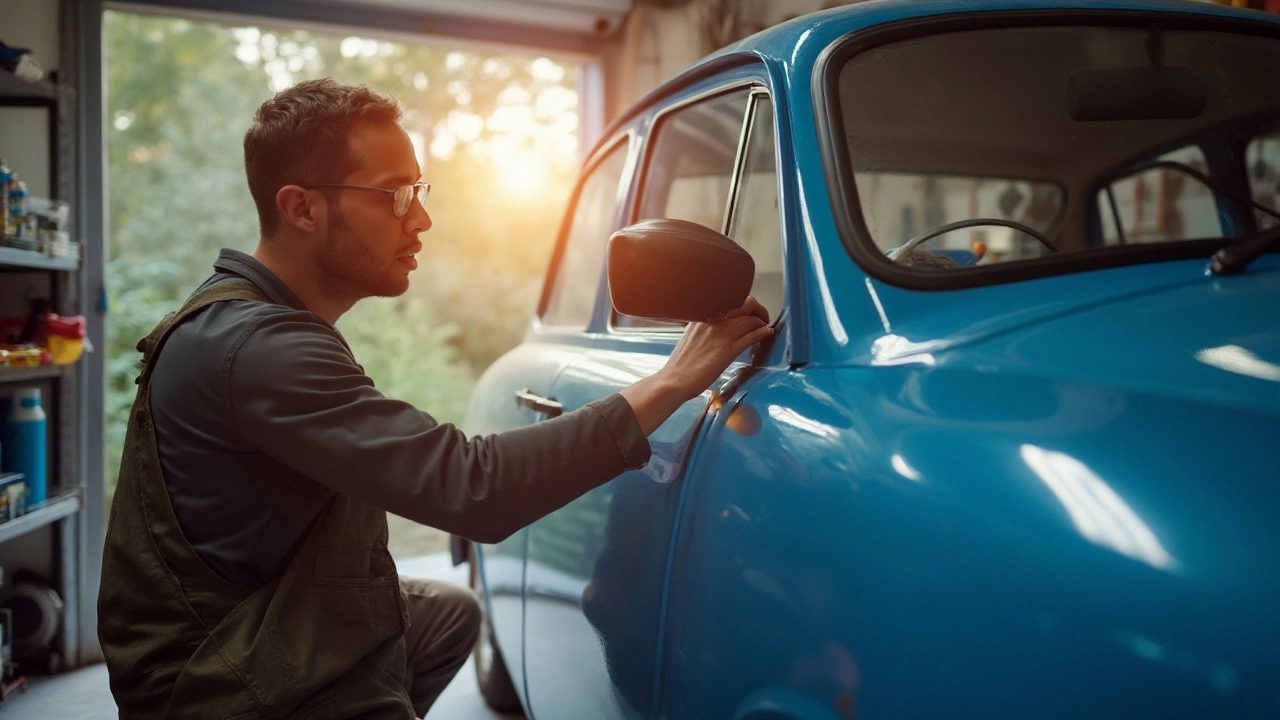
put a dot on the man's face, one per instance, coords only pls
(368, 251)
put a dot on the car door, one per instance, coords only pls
(509, 394)
(596, 569)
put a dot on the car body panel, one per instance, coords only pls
(492, 409)
(895, 541)
(594, 586)
(1056, 496)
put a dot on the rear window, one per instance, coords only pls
(1046, 143)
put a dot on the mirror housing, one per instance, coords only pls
(676, 270)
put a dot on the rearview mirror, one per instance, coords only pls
(1136, 93)
(676, 270)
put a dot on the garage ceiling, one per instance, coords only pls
(588, 17)
(573, 26)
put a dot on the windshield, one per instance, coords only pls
(1057, 140)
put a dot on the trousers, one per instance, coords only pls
(444, 624)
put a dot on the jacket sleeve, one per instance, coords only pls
(298, 396)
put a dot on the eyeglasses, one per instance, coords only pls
(401, 196)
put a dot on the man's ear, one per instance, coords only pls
(297, 208)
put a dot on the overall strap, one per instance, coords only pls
(150, 345)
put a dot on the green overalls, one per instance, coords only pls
(324, 640)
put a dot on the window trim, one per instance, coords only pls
(625, 140)
(755, 87)
(833, 149)
(1130, 168)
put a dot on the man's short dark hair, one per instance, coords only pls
(299, 137)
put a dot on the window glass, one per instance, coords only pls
(573, 292)
(899, 206)
(691, 164)
(756, 224)
(1160, 204)
(1022, 123)
(1262, 160)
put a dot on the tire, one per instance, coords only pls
(491, 672)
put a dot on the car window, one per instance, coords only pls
(756, 223)
(1043, 113)
(1262, 160)
(690, 169)
(691, 164)
(1160, 204)
(577, 274)
(899, 206)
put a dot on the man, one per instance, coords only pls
(245, 573)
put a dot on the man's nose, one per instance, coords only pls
(418, 219)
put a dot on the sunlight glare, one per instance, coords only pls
(522, 172)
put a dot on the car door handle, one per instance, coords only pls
(537, 403)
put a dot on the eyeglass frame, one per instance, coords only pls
(424, 187)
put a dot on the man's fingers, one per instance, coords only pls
(739, 327)
(750, 306)
(758, 335)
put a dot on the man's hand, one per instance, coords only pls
(704, 351)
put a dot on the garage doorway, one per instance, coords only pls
(496, 134)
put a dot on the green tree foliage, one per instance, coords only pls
(495, 135)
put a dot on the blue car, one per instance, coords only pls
(1014, 451)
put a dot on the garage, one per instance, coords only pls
(1120, 148)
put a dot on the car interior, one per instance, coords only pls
(1094, 136)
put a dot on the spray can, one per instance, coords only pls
(24, 443)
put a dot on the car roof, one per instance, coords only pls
(780, 42)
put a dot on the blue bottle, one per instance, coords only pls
(24, 443)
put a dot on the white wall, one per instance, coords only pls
(24, 132)
(657, 43)
(31, 24)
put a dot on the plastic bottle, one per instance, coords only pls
(17, 208)
(24, 443)
(5, 176)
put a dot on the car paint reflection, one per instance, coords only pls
(1236, 359)
(1101, 516)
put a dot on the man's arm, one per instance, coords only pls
(299, 397)
(704, 351)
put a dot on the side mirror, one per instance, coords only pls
(676, 270)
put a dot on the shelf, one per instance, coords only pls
(61, 505)
(13, 257)
(27, 374)
(11, 89)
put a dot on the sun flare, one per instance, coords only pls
(522, 172)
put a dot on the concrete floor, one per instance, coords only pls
(83, 694)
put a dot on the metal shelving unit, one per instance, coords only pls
(29, 259)
(61, 505)
(30, 374)
(20, 92)
(61, 383)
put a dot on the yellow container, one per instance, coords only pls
(65, 350)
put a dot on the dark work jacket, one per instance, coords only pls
(262, 414)
(323, 638)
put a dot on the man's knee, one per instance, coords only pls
(466, 611)
(449, 615)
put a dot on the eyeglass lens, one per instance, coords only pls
(406, 193)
